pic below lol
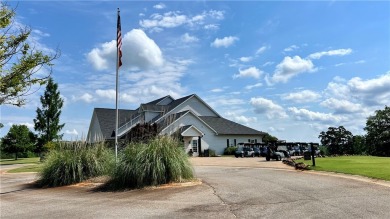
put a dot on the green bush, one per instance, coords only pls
(230, 150)
(73, 162)
(212, 153)
(324, 151)
(162, 160)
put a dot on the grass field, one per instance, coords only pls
(34, 167)
(373, 167)
(28, 168)
(33, 160)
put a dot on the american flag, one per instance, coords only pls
(119, 41)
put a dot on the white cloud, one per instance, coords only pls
(224, 42)
(337, 89)
(106, 94)
(268, 63)
(368, 93)
(186, 38)
(40, 33)
(86, 97)
(249, 87)
(229, 101)
(167, 20)
(159, 6)
(249, 72)
(372, 91)
(29, 125)
(337, 52)
(138, 51)
(211, 27)
(260, 50)
(267, 107)
(73, 132)
(217, 90)
(278, 129)
(291, 48)
(307, 115)
(219, 15)
(291, 67)
(304, 96)
(172, 19)
(246, 59)
(240, 118)
(341, 106)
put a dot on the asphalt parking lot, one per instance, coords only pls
(229, 188)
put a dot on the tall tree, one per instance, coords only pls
(47, 122)
(270, 139)
(338, 140)
(19, 139)
(20, 62)
(359, 144)
(378, 132)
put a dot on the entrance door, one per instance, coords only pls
(195, 148)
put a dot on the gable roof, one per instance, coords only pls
(106, 119)
(170, 107)
(154, 102)
(226, 127)
(164, 124)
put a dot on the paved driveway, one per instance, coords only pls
(225, 192)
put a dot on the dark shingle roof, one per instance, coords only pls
(106, 118)
(169, 120)
(171, 106)
(154, 102)
(226, 127)
(177, 102)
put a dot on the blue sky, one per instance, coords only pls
(291, 69)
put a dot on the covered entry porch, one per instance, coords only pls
(192, 139)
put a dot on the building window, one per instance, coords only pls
(249, 141)
(255, 140)
(235, 142)
(227, 143)
(195, 146)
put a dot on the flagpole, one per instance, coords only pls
(116, 93)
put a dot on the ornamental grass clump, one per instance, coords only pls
(160, 161)
(74, 162)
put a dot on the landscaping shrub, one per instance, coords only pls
(73, 162)
(162, 160)
(212, 153)
(230, 150)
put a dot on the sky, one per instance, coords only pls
(291, 69)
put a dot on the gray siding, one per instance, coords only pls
(94, 132)
(196, 106)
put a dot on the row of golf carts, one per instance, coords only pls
(276, 151)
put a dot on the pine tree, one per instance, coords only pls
(47, 122)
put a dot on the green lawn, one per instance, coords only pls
(373, 167)
(29, 168)
(33, 160)
(34, 167)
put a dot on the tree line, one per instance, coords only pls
(20, 140)
(338, 140)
